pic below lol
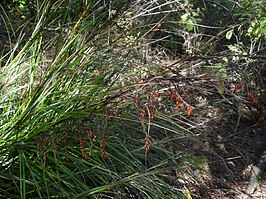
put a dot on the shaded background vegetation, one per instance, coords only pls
(141, 99)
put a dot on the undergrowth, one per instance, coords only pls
(93, 104)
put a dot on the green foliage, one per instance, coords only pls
(255, 18)
(189, 21)
(256, 29)
(249, 25)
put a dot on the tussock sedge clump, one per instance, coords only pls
(56, 84)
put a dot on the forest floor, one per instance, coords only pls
(230, 151)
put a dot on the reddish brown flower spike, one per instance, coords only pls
(104, 154)
(147, 148)
(189, 110)
(250, 95)
(179, 107)
(238, 86)
(142, 113)
(90, 134)
(156, 94)
(103, 141)
(178, 100)
(173, 97)
(83, 153)
(151, 106)
(147, 144)
(137, 101)
(152, 115)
